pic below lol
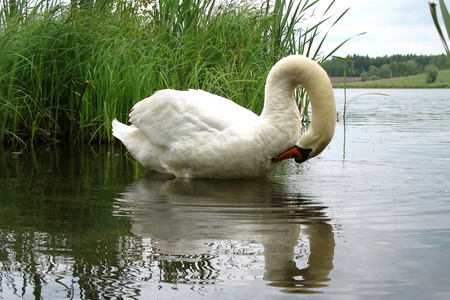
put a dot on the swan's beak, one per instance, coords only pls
(299, 154)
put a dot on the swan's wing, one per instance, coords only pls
(169, 115)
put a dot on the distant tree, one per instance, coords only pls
(431, 72)
(373, 71)
(365, 76)
(397, 68)
(440, 61)
(336, 67)
(384, 71)
(411, 68)
(360, 63)
(399, 64)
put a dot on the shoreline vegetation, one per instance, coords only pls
(406, 82)
(69, 68)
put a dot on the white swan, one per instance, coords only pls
(197, 134)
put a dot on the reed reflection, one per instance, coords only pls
(196, 219)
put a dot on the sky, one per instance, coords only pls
(392, 26)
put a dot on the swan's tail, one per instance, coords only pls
(139, 146)
(122, 131)
(130, 136)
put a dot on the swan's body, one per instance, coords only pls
(197, 134)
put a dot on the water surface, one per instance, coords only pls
(369, 218)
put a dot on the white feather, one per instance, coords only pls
(197, 134)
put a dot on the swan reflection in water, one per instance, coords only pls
(188, 219)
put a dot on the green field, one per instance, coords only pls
(416, 81)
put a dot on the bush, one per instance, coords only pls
(431, 72)
(385, 72)
(365, 76)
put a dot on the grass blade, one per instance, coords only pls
(445, 16)
(438, 27)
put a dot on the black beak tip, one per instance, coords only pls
(299, 160)
(304, 155)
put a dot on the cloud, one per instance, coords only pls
(393, 27)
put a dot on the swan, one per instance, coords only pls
(198, 134)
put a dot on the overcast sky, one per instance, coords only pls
(392, 26)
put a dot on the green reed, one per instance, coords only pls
(446, 18)
(129, 49)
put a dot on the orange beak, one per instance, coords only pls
(299, 154)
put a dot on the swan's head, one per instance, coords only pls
(299, 154)
(310, 144)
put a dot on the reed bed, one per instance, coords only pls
(66, 70)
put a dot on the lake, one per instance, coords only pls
(367, 219)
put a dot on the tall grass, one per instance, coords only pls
(129, 49)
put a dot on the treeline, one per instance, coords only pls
(384, 67)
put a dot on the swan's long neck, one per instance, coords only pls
(280, 105)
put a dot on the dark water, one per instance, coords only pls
(369, 218)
